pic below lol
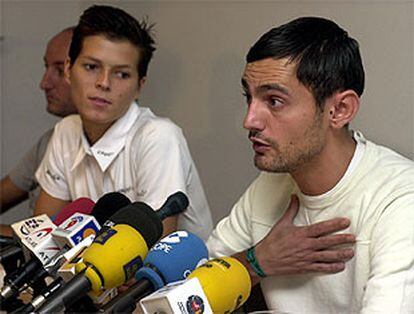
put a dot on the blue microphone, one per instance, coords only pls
(172, 259)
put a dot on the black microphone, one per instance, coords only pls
(6, 241)
(175, 204)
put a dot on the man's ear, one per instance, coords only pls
(67, 67)
(141, 83)
(342, 108)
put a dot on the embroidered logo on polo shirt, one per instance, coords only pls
(103, 153)
(125, 190)
(54, 177)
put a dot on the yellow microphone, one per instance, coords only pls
(225, 282)
(114, 256)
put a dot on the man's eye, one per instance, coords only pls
(90, 66)
(248, 97)
(60, 71)
(123, 75)
(275, 102)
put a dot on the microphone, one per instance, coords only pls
(221, 285)
(23, 228)
(170, 260)
(74, 232)
(82, 205)
(6, 241)
(40, 243)
(114, 256)
(175, 204)
(226, 283)
(108, 205)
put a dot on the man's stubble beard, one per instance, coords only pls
(291, 157)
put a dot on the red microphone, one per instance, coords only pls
(81, 205)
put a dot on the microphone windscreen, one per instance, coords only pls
(114, 257)
(226, 283)
(108, 205)
(82, 205)
(177, 255)
(142, 218)
(175, 204)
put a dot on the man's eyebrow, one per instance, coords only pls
(266, 87)
(115, 66)
(274, 86)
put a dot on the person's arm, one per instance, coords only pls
(49, 205)
(288, 249)
(15, 187)
(10, 194)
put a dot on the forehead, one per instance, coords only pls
(57, 48)
(269, 71)
(112, 52)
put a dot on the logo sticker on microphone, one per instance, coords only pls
(73, 221)
(41, 233)
(175, 237)
(105, 236)
(195, 305)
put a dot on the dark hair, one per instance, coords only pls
(327, 59)
(115, 24)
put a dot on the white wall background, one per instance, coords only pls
(194, 77)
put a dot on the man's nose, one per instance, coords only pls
(103, 81)
(254, 119)
(46, 83)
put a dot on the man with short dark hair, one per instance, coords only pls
(114, 144)
(21, 183)
(303, 82)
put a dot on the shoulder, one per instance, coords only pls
(388, 164)
(69, 127)
(150, 126)
(385, 176)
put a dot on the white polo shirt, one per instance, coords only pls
(141, 155)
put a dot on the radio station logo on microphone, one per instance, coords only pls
(29, 225)
(195, 305)
(72, 222)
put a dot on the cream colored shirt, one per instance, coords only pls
(377, 195)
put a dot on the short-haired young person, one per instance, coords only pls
(114, 144)
(303, 82)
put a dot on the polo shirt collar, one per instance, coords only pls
(107, 148)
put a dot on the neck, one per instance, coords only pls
(324, 171)
(94, 131)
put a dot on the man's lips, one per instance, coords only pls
(259, 146)
(99, 101)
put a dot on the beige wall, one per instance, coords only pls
(195, 76)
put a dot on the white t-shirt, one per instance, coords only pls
(141, 155)
(377, 195)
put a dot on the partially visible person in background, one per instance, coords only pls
(21, 184)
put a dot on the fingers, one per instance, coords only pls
(326, 242)
(327, 227)
(331, 256)
(327, 268)
(291, 212)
